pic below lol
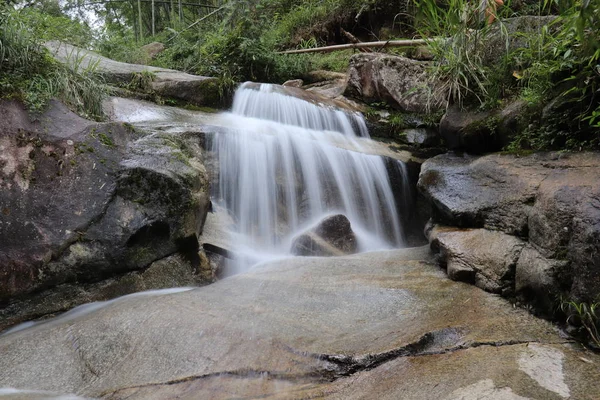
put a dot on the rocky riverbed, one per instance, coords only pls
(375, 325)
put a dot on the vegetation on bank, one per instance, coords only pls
(29, 73)
(553, 67)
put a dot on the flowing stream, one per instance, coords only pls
(285, 163)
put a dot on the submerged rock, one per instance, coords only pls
(549, 200)
(89, 202)
(333, 236)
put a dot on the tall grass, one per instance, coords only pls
(28, 72)
(457, 37)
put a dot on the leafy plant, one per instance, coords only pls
(584, 315)
(457, 40)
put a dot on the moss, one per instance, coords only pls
(432, 178)
(193, 107)
(105, 140)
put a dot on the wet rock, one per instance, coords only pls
(314, 97)
(399, 81)
(293, 83)
(481, 131)
(378, 325)
(198, 90)
(90, 202)
(550, 200)
(333, 236)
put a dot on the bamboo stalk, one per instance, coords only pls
(362, 45)
(195, 23)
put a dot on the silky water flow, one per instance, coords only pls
(286, 163)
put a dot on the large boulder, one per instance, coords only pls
(401, 82)
(548, 200)
(89, 202)
(197, 90)
(333, 236)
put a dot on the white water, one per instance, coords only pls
(287, 163)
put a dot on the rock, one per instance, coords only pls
(422, 53)
(294, 83)
(512, 34)
(399, 81)
(377, 325)
(550, 200)
(321, 76)
(482, 131)
(198, 90)
(485, 258)
(539, 280)
(153, 49)
(81, 206)
(333, 236)
(311, 96)
(423, 137)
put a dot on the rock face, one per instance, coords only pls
(486, 258)
(333, 236)
(87, 202)
(379, 325)
(198, 90)
(549, 204)
(482, 131)
(401, 82)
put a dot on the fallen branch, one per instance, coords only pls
(362, 45)
(353, 39)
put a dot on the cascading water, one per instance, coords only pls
(287, 163)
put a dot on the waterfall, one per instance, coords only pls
(286, 162)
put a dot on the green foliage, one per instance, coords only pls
(27, 71)
(585, 316)
(457, 39)
(555, 69)
(56, 26)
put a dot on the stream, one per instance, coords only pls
(385, 323)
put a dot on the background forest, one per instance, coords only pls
(556, 65)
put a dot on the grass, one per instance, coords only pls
(585, 316)
(28, 72)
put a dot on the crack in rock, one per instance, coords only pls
(338, 366)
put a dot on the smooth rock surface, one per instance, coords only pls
(551, 200)
(373, 325)
(198, 90)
